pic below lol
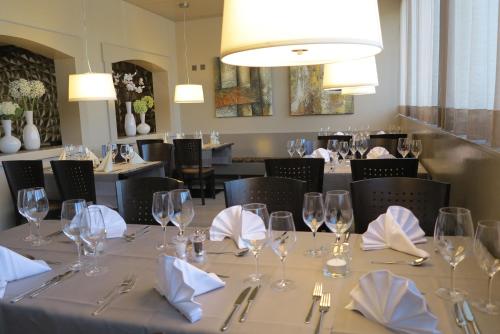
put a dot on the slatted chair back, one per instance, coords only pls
(187, 153)
(75, 179)
(374, 168)
(310, 170)
(141, 142)
(158, 152)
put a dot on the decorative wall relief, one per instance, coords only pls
(307, 96)
(242, 91)
(17, 63)
(128, 74)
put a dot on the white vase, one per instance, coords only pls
(31, 137)
(143, 128)
(9, 143)
(130, 127)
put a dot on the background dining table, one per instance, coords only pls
(67, 308)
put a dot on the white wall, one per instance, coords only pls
(203, 37)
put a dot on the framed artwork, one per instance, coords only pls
(242, 91)
(307, 96)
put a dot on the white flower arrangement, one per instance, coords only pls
(10, 110)
(128, 83)
(27, 92)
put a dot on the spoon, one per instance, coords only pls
(238, 253)
(416, 262)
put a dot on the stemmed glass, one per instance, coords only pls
(71, 217)
(333, 148)
(93, 232)
(161, 212)
(453, 235)
(126, 151)
(181, 209)
(313, 214)
(300, 146)
(290, 147)
(36, 207)
(487, 252)
(416, 147)
(255, 239)
(344, 150)
(282, 238)
(338, 212)
(20, 208)
(403, 146)
(362, 145)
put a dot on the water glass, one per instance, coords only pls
(36, 207)
(344, 150)
(313, 214)
(282, 238)
(362, 145)
(161, 213)
(300, 146)
(453, 237)
(20, 208)
(290, 147)
(333, 149)
(93, 233)
(126, 152)
(181, 209)
(71, 220)
(416, 148)
(404, 146)
(338, 212)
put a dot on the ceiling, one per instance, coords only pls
(170, 8)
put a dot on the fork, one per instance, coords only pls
(324, 306)
(122, 290)
(126, 281)
(318, 289)
(132, 236)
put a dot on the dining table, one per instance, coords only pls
(67, 307)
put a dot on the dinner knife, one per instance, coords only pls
(470, 316)
(236, 306)
(251, 298)
(459, 318)
(34, 290)
(64, 277)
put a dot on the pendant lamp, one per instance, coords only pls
(187, 93)
(353, 77)
(299, 32)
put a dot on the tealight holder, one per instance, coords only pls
(337, 260)
(180, 245)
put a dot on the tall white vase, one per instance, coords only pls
(31, 137)
(143, 128)
(9, 143)
(130, 127)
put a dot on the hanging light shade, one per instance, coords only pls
(297, 32)
(352, 73)
(360, 90)
(188, 94)
(91, 87)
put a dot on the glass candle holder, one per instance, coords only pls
(337, 260)
(180, 243)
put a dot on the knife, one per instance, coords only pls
(236, 306)
(64, 277)
(34, 290)
(459, 318)
(250, 301)
(470, 316)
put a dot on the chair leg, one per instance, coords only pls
(202, 190)
(212, 184)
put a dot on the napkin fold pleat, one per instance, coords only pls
(136, 159)
(106, 164)
(379, 152)
(321, 153)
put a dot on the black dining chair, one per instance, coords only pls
(372, 197)
(141, 142)
(75, 179)
(22, 174)
(278, 193)
(373, 168)
(135, 197)
(189, 165)
(310, 170)
(323, 140)
(159, 152)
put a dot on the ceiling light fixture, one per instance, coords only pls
(187, 93)
(297, 32)
(353, 77)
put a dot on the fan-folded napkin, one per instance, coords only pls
(398, 229)
(180, 282)
(136, 159)
(15, 266)
(106, 164)
(379, 152)
(228, 224)
(115, 225)
(394, 302)
(381, 132)
(321, 153)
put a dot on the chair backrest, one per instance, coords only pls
(135, 197)
(323, 140)
(375, 168)
(372, 197)
(187, 153)
(75, 179)
(141, 142)
(310, 170)
(389, 136)
(158, 152)
(278, 193)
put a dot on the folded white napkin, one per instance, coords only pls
(106, 164)
(15, 266)
(227, 223)
(381, 132)
(394, 302)
(136, 159)
(321, 153)
(115, 225)
(377, 152)
(398, 229)
(338, 133)
(180, 282)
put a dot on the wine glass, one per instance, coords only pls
(93, 232)
(487, 251)
(338, 212)
(300, 146)
(313, 214)
(403, 146)
(333, 148)
(282, 238)
(20, 208)
(71, 216)
(453, 235)
(161, 212)
(416, 148)
(36, 207)
(253, 232)
(125, 152)
(290, 147)
(362, 146)
(344, 150)
(181, 209)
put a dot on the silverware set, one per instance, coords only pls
(324, 305)
(317, 293)
(464, 316)
(237, 304)
(122, 288)
(131, 237)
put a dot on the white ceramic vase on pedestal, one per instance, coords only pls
(143, 128)
(31, 137)
(130, 127)
(9, 143)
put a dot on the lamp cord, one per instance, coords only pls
(84, 9)
(185, 47)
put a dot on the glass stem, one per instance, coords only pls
(314, 241)
(78, 251)
(283, 269)
(453, 291)
(95, 256)
(490, 286)
(37, 230)
(164, 237)
(338, 236)
(30, 226)
(257, 265)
